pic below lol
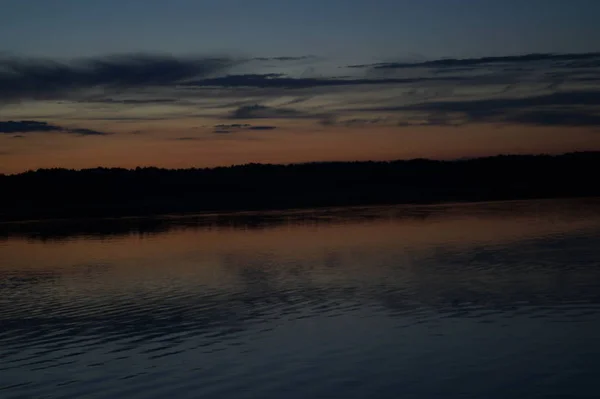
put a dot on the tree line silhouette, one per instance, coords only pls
(108, 192)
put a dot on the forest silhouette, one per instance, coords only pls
(116, 192)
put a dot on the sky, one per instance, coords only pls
(196, 83)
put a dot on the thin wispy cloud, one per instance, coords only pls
(573, 60)
(188, 138)
(24, 127)
(236, 127)
(258, 111)
(531, 89)
(278, 81)
(263, 112)
(574, 108)
(285, 59)
(26, 78)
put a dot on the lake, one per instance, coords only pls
(488, 300)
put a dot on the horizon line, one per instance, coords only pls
(460, 159)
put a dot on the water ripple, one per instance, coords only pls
(375, 306)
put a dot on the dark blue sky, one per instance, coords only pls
(379, 29)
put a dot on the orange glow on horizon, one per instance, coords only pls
(286, 145)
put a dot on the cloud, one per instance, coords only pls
(258, 111)
(187, 138)
(446, 92)
(556, 118)
(43, 79)
(573, 108)
(133, 101)
(233, 126)
(263, 112)
(356, 122)
(432, 120)
(278, 81)
(469, 62)
(24, 78)
(482, 107)
(224, 129)
(299, 58)
(13, 127)
(85, 132)
(362, 121)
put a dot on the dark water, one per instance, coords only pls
(497, 300)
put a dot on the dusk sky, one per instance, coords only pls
(202, 83)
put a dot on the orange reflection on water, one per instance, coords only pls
(306, 234)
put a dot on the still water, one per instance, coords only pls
(491, 300)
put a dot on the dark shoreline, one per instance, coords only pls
(91, 194)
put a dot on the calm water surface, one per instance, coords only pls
(494, 300)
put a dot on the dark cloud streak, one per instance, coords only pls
(263, 112)
(12, 127)
(284, 59)
(22, 78)
(258, 111)
(469, 62)
(277, 81)
(231, 128)
(574, 108)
